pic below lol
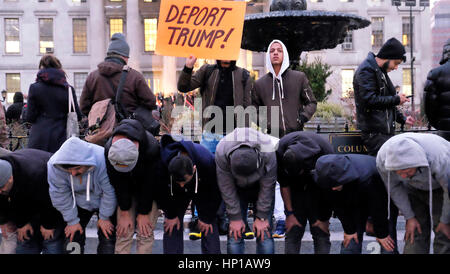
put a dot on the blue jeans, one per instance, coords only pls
(262, 247)
(36, 244)
(210, 141)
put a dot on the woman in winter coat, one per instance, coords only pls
(48, 105)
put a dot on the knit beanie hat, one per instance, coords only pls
(392, 50)
(5, 172)
(119, 45)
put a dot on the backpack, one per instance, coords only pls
(105, 115)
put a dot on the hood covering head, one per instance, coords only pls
(334, 170)
(76, 152)
(284, 67)
(445, 53)
(301, 156)
(405, 153)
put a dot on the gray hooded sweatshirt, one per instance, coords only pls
(428, 152)
(228, 185)
(92, 191)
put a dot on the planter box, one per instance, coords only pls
(337, 125)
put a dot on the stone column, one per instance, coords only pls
(98, 27)
(134, 33)
(169, 76)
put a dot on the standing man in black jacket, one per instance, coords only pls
(376, 98)
(376, 101)
(304, 201)
(24, 192)
(133, 154)
(358, 192)
(437, 95)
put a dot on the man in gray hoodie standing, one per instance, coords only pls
(247, 172)
(285, 91)
(79, 187)
(415, 168)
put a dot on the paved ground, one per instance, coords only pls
(193, 247)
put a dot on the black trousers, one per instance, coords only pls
(105, 246)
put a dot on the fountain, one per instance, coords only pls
(299, 29)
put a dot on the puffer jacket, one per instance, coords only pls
(375, 99)
(437, 93)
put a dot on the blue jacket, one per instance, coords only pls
(173, 199)
(92, 192)
(363, 192)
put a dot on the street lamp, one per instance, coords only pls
(411, 4)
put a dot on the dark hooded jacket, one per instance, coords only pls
(363, 192)
(437, 93)
(47, 108)
(241, 84)
(140, 183)
(15, 110)
(172, 198)
(308, 147)
(136, 91)
(29, 199)
(375, 99)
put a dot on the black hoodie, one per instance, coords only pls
(29, 199)
(204, 191)
(140, 182)
(308, 147)
(363, 192)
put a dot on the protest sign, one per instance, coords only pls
(207, 29)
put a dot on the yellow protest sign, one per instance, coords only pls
(207, 29)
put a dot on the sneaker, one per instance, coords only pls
(279, 230)
(248, 234)
(194, 233)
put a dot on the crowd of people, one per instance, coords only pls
(50, 190)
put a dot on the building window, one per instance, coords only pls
(79, 35)
(12, 86)
(153, 79)
(46, 44)
(347, 82)
(79, 80)
(406, 73)
(348, 41)
(150, 31)
(406, 31)
(115, 26)
(12, 36)
(377, 32)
